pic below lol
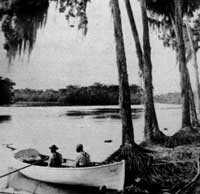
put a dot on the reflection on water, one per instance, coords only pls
(103, 113)
(20, 25)
(4, 118)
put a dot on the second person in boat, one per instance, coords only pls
(83, 158)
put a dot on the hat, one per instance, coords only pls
(79, 147)
(53, 147)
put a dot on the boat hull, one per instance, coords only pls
(109, 175)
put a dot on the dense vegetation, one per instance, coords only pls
(169, 98)
(6, 91)
(96, 94)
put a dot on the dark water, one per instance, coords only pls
(4, 118)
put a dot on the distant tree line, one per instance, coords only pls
(96, 94)
(169, 98)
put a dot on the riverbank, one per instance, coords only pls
(173, 171)
(176, 170)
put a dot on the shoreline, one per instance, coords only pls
(44, 104)
(27, 104)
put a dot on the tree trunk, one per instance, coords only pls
(195, 64)
(151, 124)
(124, 92)
(182, 64)
(135, 35)
(193, 112)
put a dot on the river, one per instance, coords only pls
(40, 127)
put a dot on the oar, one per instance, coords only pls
(67, 159)
(17, 170)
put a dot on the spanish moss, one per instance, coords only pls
(20, 22)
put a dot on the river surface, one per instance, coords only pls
(40, 127)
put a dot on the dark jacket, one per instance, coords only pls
(56, 160)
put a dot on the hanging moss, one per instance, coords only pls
(29, 5)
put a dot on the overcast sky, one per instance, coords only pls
(62, 56)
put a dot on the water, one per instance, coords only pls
(41, 127)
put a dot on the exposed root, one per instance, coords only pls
(185, 136)
(138, 161)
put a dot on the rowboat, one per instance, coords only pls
(109, 175)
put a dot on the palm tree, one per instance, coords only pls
(173, 11)
(152, 132)
(168, 36)
(195, 64)
(178, 21)
(124, 93)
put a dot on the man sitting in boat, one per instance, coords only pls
(56, 157)
(83, 158)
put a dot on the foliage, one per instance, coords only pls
(162, 17)
(167, 35)
(96, 94)
(6, 91)
(22, 18)
(28, 5)
(20, 21)
(169, 98)
(172, 14)
(166, 8)
(75, 10)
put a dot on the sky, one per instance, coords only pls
(63, 56)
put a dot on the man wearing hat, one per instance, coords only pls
(56, 157)
(83, 158)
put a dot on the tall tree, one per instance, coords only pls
(194, 57)
(144, 61)
(124, 93)
(151, 124)
(173, 12)
(193, 113)
(178, 18)
(168, 36)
